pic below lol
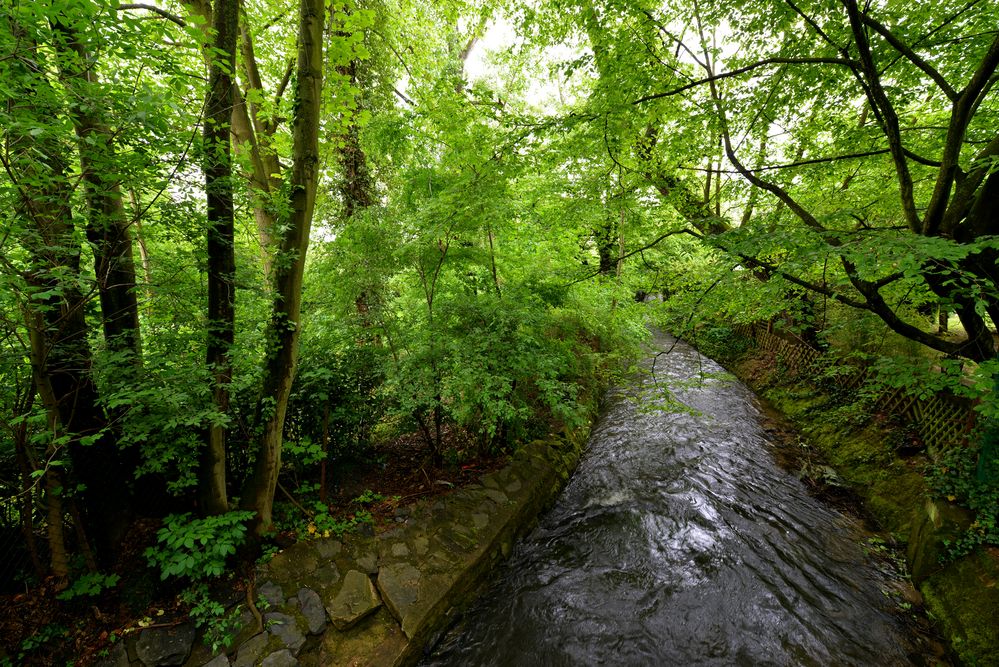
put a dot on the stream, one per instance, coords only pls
(680, 541)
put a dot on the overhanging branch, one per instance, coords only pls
(748, 68)
(156, 10)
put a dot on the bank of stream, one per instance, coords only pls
(680, 540)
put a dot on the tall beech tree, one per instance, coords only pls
(221, 249)
(937, 235)
(283, 329)
(55, 302)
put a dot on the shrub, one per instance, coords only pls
(197, 548)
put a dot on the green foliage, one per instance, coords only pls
(89, 585)
(325, 524)
(368, 497)
(219, 627)
(197, 548)
(322, 521)
(721, 343)
(968, 476)
(464, 290)
(335, 400)
(164, 413)
(45, 637)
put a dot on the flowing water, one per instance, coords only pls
(680, 541)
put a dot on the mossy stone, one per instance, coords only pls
(964, 598)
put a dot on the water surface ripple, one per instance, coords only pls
(679, 541)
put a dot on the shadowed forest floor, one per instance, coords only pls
(38, 629)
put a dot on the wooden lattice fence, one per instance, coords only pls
(942, 421)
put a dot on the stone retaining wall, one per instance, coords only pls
(379, 600)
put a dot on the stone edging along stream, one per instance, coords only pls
(380, 600)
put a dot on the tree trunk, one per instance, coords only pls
(606, 238)
(27, 465)
(257, 134)
(221, 254)
(60, 353)
(264, 174)
(147, 269)
(59, 556)
(356, 188)
(284, 326)
(107, 225)
(107, 222)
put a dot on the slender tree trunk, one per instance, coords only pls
(707, 183)
(357, 190)
(83, 542)
(943, 317)
(606, 238)
(619, 268)
(54, 487)
(257, 134)
(147, 269)
(221, 254)
(61, 359)
(27, 467)
(284, 327)
(980, 345)
(59, 556)
(107, 222)
(251, 137)
(263, 183)
(492, 260)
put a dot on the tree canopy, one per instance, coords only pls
(242, 239)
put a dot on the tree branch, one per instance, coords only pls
(965, 192)
(821, 160)
(960, 118)
(911, 55)
(748, 174)
(887, 117)
(877, 305)
(748, 68)
(636, 251)
(873, 301)
(679, 42)
(156, 10)
(271, 125)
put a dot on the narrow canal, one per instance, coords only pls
(680, 541)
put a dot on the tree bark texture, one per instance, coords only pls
(61, 358)
(107, 222)
(283, 329)
(221, 253)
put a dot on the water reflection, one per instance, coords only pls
(679, 541)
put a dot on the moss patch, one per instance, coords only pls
(962, 596)
(890, 487)
(964, 599)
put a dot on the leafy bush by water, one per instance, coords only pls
(969, 476)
